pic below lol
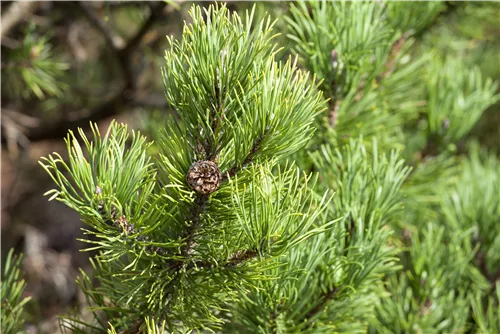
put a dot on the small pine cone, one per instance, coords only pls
(204, 177)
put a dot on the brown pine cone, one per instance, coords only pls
(204, 177)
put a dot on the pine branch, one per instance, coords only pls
(431, 148)
(334, 105)
(451, 8)
(119, 4)
(200, 202)
(349, 235)
(195, 218)
(237, 258)
(324, 299)
(116, 103)
(124, 52)
(334, 102)
(248, 160)
(112, 106)
(395, 50)
(12, 286)
(216, 121)
(112, 40)
(135, 327)
(156, 13)
(241, 256)
(277, 100)
(17, 11)
(492, 277)
(25, 64)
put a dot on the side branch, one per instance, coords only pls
(248, 160)
(334, 102)
(156, 10)
(451, 8)
(241, 256)
(237, 258)
(195, 217)
(121, 4)
(390, 65)
(112, 40)
(120, 99)
(492, 277)
(325, 298)
(349, 235)
(17, 11)
(334, 105)
(125, 53)
(112, 106)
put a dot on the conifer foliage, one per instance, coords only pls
(178, 253)
(378, 86)
(276, 201)
(12, 287)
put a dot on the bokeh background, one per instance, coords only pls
(64, 64)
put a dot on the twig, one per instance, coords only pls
(110, 107)
(430, 149)
(10, 43)
(17, 12)
(156, 13)
(195, 217)
(118, 4)
(325, 297)
(113, 105)
(395, 50)
(425, 308)
(135, 327)
(349, 235)
(241, 256)
(451, 8)
(235, 259)
(113, 40)
(235, 169)
(333, 113)
(124, 51)
(15, 124)
(492, 277)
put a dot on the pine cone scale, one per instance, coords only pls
(204, 177)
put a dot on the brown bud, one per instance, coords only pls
(204, 177)
(35, 51)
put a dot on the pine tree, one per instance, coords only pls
(274, 201)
